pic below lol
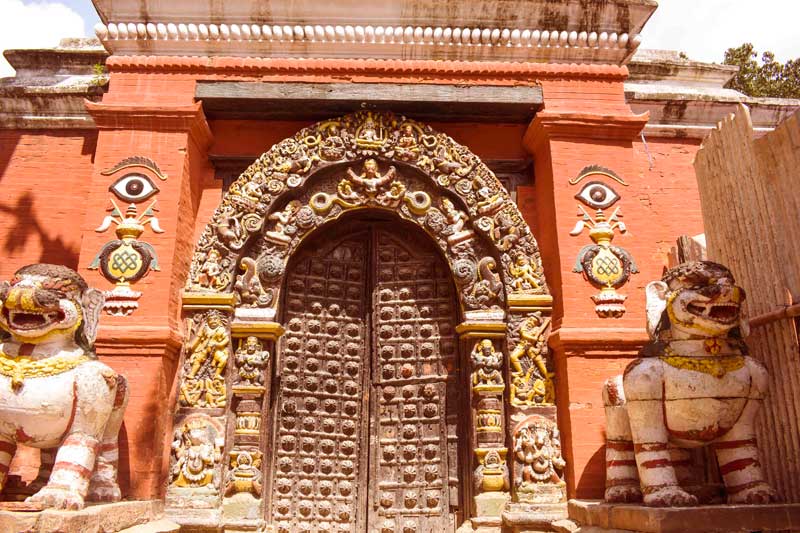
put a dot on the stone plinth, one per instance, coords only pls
(102, 518)
(597, 516)
(519, 517)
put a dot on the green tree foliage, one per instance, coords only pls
(770, 78)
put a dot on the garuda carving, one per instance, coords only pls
(53, 390)
(694, 386)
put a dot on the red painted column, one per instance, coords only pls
(587, 349)
(145, 345)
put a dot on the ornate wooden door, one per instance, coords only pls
(365, 419)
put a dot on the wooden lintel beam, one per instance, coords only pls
(317, 101)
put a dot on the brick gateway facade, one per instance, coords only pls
(542, 126)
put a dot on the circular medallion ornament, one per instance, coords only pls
(125, 260)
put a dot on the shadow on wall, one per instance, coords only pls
(26, 226)
(591, 485)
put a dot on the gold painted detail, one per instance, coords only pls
(717, 366)
(21, 368)
(206, 358)
(531, 381)
(459, 202)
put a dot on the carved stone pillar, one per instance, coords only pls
(195, 477)
(250, 379)
(483, 343)
(537, 468)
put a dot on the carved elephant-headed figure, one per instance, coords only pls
(54, 393)
(694, 386)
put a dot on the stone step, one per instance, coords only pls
(158, 526)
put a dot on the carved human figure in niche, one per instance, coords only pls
(456, 221)
(251, 359)
(531, 382)
(195, 454)
(370, 181)
(406, 147)
(211, 275)
(524, 274)
(209, 344)
(487, 363)
(504, 232)
(537, 448)
(368, 135)
(281, 233)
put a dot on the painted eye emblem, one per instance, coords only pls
(133, 188)
(597, 195)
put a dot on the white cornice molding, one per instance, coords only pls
(472, 30)
(366, 42)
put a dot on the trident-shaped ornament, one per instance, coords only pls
(127, 259)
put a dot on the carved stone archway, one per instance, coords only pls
(378, 161)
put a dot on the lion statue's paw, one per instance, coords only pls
(624, 494)
(107, 493)
(670, 497)
(58, 498)
(759, 494)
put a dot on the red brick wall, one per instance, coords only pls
(44, 179)
(660, 204)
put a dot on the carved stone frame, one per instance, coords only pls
(388, 162)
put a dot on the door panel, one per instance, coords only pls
(368, 395)
(319, 460)
(414, 354)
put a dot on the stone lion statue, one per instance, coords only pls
(54, 393)
(693, 387)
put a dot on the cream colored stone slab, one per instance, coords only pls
(103, 518)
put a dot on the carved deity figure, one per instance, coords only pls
(537, 451)
(694, 386)
(195, 453)
(531, 382)
(487, 363)
(524, 274)
(211, 275)
(491, 475)
(406, 147)
(281, 233)
(54, 393)
(207, 355)
(251, 358)
(456, 221)
(370, 181)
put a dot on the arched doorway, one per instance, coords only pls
(253, 273)
(367, 407)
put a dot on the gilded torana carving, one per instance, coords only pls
(695, 386)
(464, 207)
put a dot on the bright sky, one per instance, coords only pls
(703, 29)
